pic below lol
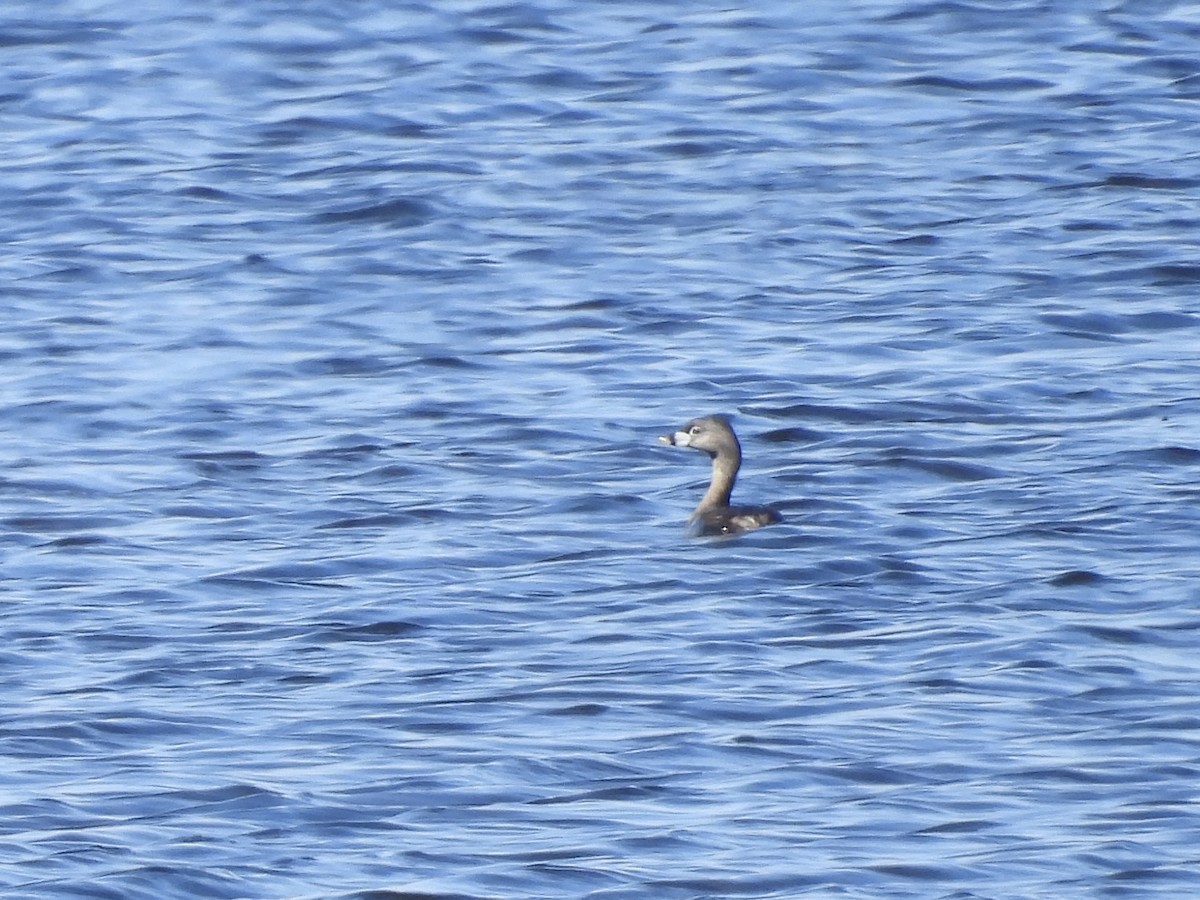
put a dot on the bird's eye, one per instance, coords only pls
(695, 429)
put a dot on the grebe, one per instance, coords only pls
(714, 515)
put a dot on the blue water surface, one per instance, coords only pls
(338, 556)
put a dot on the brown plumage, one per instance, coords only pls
(714, 436)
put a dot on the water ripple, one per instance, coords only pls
(340, 557)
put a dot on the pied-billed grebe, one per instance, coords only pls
(714, 515)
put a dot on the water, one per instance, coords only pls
(339, 558)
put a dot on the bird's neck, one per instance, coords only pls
(724, 474)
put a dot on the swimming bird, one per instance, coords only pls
(714, 516)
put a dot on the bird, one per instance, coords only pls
(714, 516)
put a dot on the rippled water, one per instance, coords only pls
(339, 558)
